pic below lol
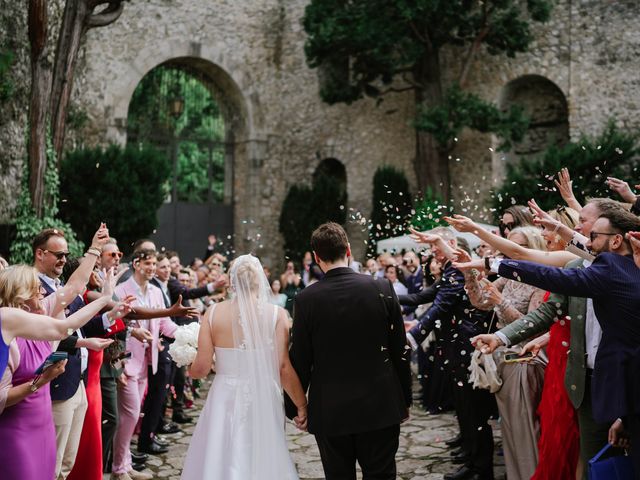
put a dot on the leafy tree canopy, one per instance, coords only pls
(380, 39)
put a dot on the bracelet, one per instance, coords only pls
(558, 225)
(93, 251)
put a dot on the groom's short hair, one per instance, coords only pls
(329, 242)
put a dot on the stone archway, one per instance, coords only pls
(546, 105)
(239, 102)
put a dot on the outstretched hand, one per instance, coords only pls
(622, 188)
(486, 342)
(541, 217)
(423, 237)
(565, 187)
(462, 223)
(179, 310)
(110, 281)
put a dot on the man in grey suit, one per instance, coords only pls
(585, 338)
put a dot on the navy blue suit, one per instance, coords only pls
(65, 386)
(456, 321)
(613, 282)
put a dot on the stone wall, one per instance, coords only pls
(253, 50)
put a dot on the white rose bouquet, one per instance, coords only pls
(183, 351)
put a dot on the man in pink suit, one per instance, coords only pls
(143, 355)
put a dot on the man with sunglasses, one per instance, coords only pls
(50, 252)
(605, 329)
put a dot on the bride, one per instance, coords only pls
(240, 434)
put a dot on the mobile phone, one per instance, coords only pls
(55, 357)
(514, 357)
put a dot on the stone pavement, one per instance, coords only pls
(422, 454)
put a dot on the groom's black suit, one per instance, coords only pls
(349, 347)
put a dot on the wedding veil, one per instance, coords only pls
(258, 408)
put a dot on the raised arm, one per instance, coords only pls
(565, 187)
(78, 281)
(425, 295)
(507, 247)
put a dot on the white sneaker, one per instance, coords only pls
(133, 475)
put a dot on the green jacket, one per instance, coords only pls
(540, 320)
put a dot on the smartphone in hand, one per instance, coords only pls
(515, 358)
(55, 357)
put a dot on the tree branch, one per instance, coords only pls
(475, 45)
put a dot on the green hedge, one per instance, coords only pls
(590, 161)
(122, 187)
(392, 206)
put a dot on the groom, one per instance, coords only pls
(349, 348)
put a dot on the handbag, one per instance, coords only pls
(612, 468)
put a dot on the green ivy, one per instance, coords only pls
(590, 161)
(391, 206)
(28, 225)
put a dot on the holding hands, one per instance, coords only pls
(300, 420)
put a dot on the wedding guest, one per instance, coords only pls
(307, 261)
(515, 216)
(522, 383)
(68, 393)
(292, 284)
(393, 274)
(586, 336)
(277, 298)
(136, 369)
(27, 431)
(452, 314)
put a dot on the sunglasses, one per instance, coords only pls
(58, 255)
(506, 226)
(594, 235)
(114, 254)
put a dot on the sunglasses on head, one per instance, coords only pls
(58, 255)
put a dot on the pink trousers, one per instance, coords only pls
(129, 405)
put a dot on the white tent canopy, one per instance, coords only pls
(397, 244)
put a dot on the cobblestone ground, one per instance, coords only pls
(422, 455)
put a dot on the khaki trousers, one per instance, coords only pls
(68, 417)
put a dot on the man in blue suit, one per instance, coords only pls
(613, 282)
(456, 321)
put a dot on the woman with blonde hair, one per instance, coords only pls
(27, 431)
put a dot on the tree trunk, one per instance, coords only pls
(431, 162)
(38, 102)
(71, 33)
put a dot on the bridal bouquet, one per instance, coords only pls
(183, 350)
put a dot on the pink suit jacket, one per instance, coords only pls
(137, 363)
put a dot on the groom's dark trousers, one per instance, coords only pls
(349, 348)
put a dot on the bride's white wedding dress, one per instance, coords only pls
(240, 433)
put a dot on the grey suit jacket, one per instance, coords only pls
(540, 320)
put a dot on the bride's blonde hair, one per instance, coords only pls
(18, 284)
(246, 271)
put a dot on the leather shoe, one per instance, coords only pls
(138, 467)
(464, 473)
(454, 442)
(168, 428)
(139, 457)
(158, 440)
(461, 459)
(181, 418)
(153, 448)
(456, 452)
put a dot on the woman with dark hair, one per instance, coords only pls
(512, 217)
